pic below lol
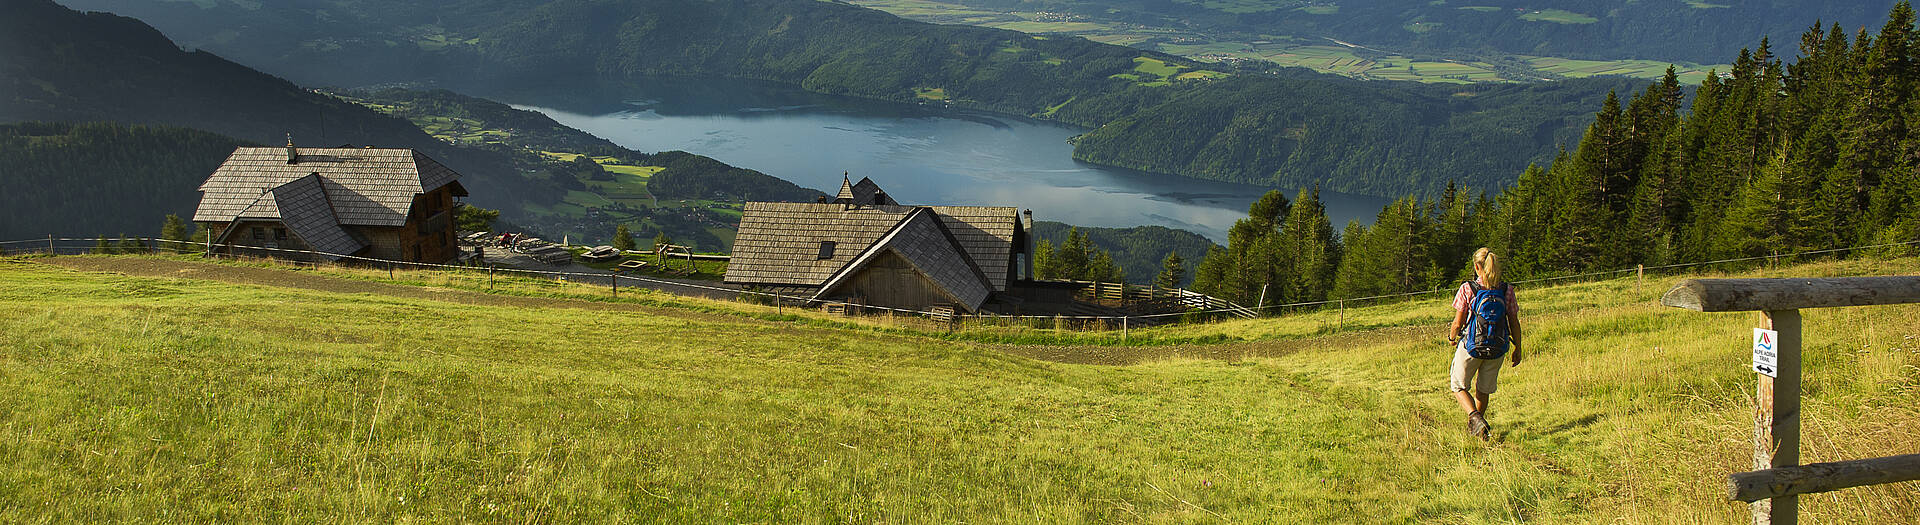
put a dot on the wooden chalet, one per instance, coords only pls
(864, 248)
(393, 204)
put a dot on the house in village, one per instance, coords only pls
(862, 247)
(392, 204)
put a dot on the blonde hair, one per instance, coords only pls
(1487, 266)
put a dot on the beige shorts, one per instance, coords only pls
(1483, 374)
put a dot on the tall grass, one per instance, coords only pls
(162, 399)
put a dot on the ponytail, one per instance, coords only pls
(1487, 266)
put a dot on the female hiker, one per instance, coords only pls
(1485, 323)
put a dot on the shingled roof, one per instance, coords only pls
(931, 250)
(779, 243)
(304, 209)
(863, 193)
(363, 187)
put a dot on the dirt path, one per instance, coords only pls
(154, 267)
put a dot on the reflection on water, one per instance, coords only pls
(920, 156)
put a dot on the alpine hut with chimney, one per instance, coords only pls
(392, 204)
(864, 248)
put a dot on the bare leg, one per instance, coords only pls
(1482, 405)
(1466, 400)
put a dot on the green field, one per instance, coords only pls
(192, 394)
(1558, 16)
(1316, 54)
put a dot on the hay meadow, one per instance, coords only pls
(163, 398)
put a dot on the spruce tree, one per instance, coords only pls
(175, 231)
(1043, 260)
(1075, 254)
(102, 247)
(1311, 251)
(622, 238)
(1173, 272)
(130, 245)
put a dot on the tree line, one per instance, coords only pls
(1773, 158)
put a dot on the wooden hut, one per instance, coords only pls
(864, 248)
(393, 204)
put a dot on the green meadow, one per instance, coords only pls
(1316, 54)
(188, 391)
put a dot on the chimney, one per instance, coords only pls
(1026, 226)
(820, 200)
(293, 157)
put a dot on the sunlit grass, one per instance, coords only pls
(165, 399)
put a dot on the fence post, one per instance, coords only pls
(1123, 329)
(489, 277)
(616, 286)
(1639, 277)
(50, 244)
(1343, 314)
(1776, 422)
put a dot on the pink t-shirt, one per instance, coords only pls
(1464, 299)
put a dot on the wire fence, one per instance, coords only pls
(615, 281)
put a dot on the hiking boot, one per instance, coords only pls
(1477, 425)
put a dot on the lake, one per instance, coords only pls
(919, 154)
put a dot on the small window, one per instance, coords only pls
(826, 249)
(279, 234)
(259, 234)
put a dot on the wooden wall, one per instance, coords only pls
(889, 281)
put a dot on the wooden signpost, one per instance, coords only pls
(1778, 476)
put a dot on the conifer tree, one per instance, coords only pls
(130, 245)
(101, 246)
(175, 230)
(1044, 262)
(1311, 252)
(622, 238)
(1173, 272)
(1208, 275)
(1072, 259)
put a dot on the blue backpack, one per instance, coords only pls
(1487, 324)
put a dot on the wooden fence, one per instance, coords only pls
(1773, 487)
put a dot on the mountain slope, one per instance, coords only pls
(60, 65)
(96, 179)
(833, 48)
(251, 394)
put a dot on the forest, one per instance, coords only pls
(1137, 252)
(1778, 157)
(101, 179)
(1374, 138)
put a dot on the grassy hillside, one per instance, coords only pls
(178, 396)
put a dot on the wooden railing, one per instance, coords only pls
(1772, 488)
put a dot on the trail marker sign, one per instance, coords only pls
(1766, 352)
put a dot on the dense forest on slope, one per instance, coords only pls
(57, 64)
(101, 179)
(60, 65)
(1779, 158)
(1144, 104)
(1694, 31)
(1138, 251)
(1346, 135)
